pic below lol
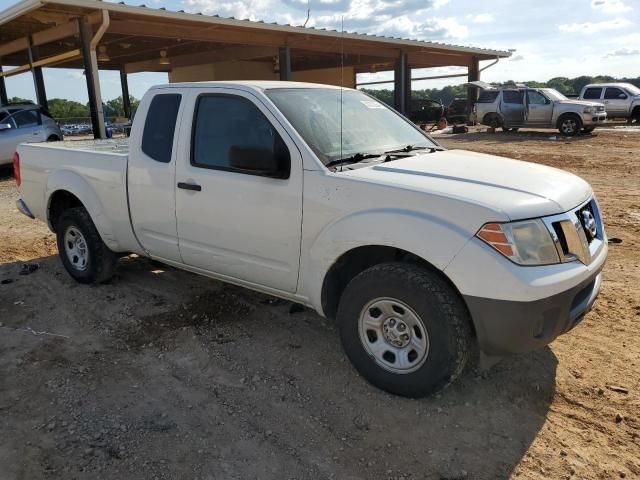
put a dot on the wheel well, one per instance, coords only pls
(61, 200)
(53, 138)
(568, 114)
(636, 111)
(356, 261)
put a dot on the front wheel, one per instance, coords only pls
(83, 253)
(569, 125)
(404, 329)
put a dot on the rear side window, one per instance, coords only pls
(160, 127)
(27, 118)
(488, 96)
(614, 94)
(512, 96)
(592, 93)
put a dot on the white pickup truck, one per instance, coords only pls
(324, 196)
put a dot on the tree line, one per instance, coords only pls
(566, 86)
(69, 110)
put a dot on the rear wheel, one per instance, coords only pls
(404, 329)
(83, 253)
(569, 125)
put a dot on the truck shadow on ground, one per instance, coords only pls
(164, 373)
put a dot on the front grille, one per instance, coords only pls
(577, 234)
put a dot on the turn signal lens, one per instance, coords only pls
(527, 242)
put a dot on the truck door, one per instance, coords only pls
(616, 102)
(151, 175)
(234, 220)
(512, 108)
(539, 109)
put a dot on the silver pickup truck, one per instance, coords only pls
(511, 108)
(622, 100)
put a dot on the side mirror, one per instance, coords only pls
(622, 96)
(260, 161)
(5, 126)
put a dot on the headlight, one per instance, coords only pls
(526, 242)
(589, 109)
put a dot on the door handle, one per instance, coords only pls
(189, 186)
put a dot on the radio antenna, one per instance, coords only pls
(308, 13)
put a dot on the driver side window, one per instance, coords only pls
(536, 98)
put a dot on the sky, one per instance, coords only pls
(549, 38)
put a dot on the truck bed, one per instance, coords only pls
(118, 146)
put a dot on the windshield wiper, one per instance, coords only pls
(411, 148)
(355, 158)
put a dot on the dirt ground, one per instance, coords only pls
(164, 374)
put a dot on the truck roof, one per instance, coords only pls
(250, 84)
(608, 84)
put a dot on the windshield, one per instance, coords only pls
(368, 126)
(553, 94)
(632, 89)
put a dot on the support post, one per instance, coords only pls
(472, 76)
(126, 102)
(402, 84)
(4, 99)
(90, 61)
(38, 78)
(284, 56)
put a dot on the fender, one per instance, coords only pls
(74, 183)
(434, 239)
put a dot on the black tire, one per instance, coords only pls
(492, 120)
(512, 129)
(588, 129)
(100, 262)
(53, 138)
(635, 115)
(437, 305)
(569, 124)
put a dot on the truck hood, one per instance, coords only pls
(513, 188)
(581, 102)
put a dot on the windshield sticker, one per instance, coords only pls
(371, 104)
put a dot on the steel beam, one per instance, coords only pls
(126, 102)
(284, 55)
(93, 82)
(472, 76)
(38, 79)
(402, 84)
(3, 90)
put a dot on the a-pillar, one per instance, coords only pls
(90, 60)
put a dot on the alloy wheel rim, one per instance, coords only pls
(394, 335)
(76, 248)
(568, 125)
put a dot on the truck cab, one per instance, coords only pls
(622, 100)
(511, 108)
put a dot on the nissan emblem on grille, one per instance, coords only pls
(589, 224)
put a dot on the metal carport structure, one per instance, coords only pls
(93, 35)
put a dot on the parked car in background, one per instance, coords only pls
(511, 108)
(423, 256)
(24, 123)
(458, 111)
(425, 110)
(621, 100)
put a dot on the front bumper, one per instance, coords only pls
(505, 327)
(591, 119)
